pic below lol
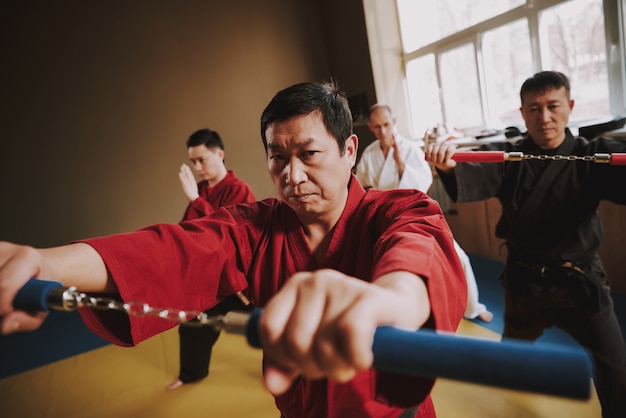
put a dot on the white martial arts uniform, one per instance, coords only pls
(378, 172)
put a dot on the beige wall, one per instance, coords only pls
(98, 99)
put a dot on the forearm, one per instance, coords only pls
(78, 265)
(411, 295)
(400, 166)
(449, 183)
(445, 169)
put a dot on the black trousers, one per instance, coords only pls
(196, 342)
(576, 298)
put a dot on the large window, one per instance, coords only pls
(572, 41)
(465, 60)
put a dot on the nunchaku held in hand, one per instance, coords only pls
(502, 156)
(552, 369)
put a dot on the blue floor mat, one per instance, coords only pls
(62, 335)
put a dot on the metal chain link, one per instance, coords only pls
(589, 158)
(74, 299)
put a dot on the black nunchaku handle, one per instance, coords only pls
(551, 369)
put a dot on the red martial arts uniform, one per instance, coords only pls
(230, 190)
(262, 244)
(196, 343)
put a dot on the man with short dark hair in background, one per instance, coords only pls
(218, 187)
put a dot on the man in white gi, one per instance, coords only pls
(394, 162)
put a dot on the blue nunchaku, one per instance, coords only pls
(551, 369)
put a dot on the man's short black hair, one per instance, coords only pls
(305, 98)
(544, 81)
(207, 137)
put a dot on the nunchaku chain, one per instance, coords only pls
(597, 158)
(69, 299)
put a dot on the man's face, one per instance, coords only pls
(546, 116)
(309, 173)
(382, 125)
(207, 162)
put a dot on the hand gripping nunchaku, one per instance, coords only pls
(552, 369)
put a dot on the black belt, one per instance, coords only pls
(538, 265)
(553, 275)
(543, 269)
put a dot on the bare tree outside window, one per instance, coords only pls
(507, 62)
(572, 41)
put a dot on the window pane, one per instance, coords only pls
(507, 61)
(459, 84)
(418, 26)
(572, 41)
(423, 94)
(425, 21)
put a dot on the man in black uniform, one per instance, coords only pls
(553, 274)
